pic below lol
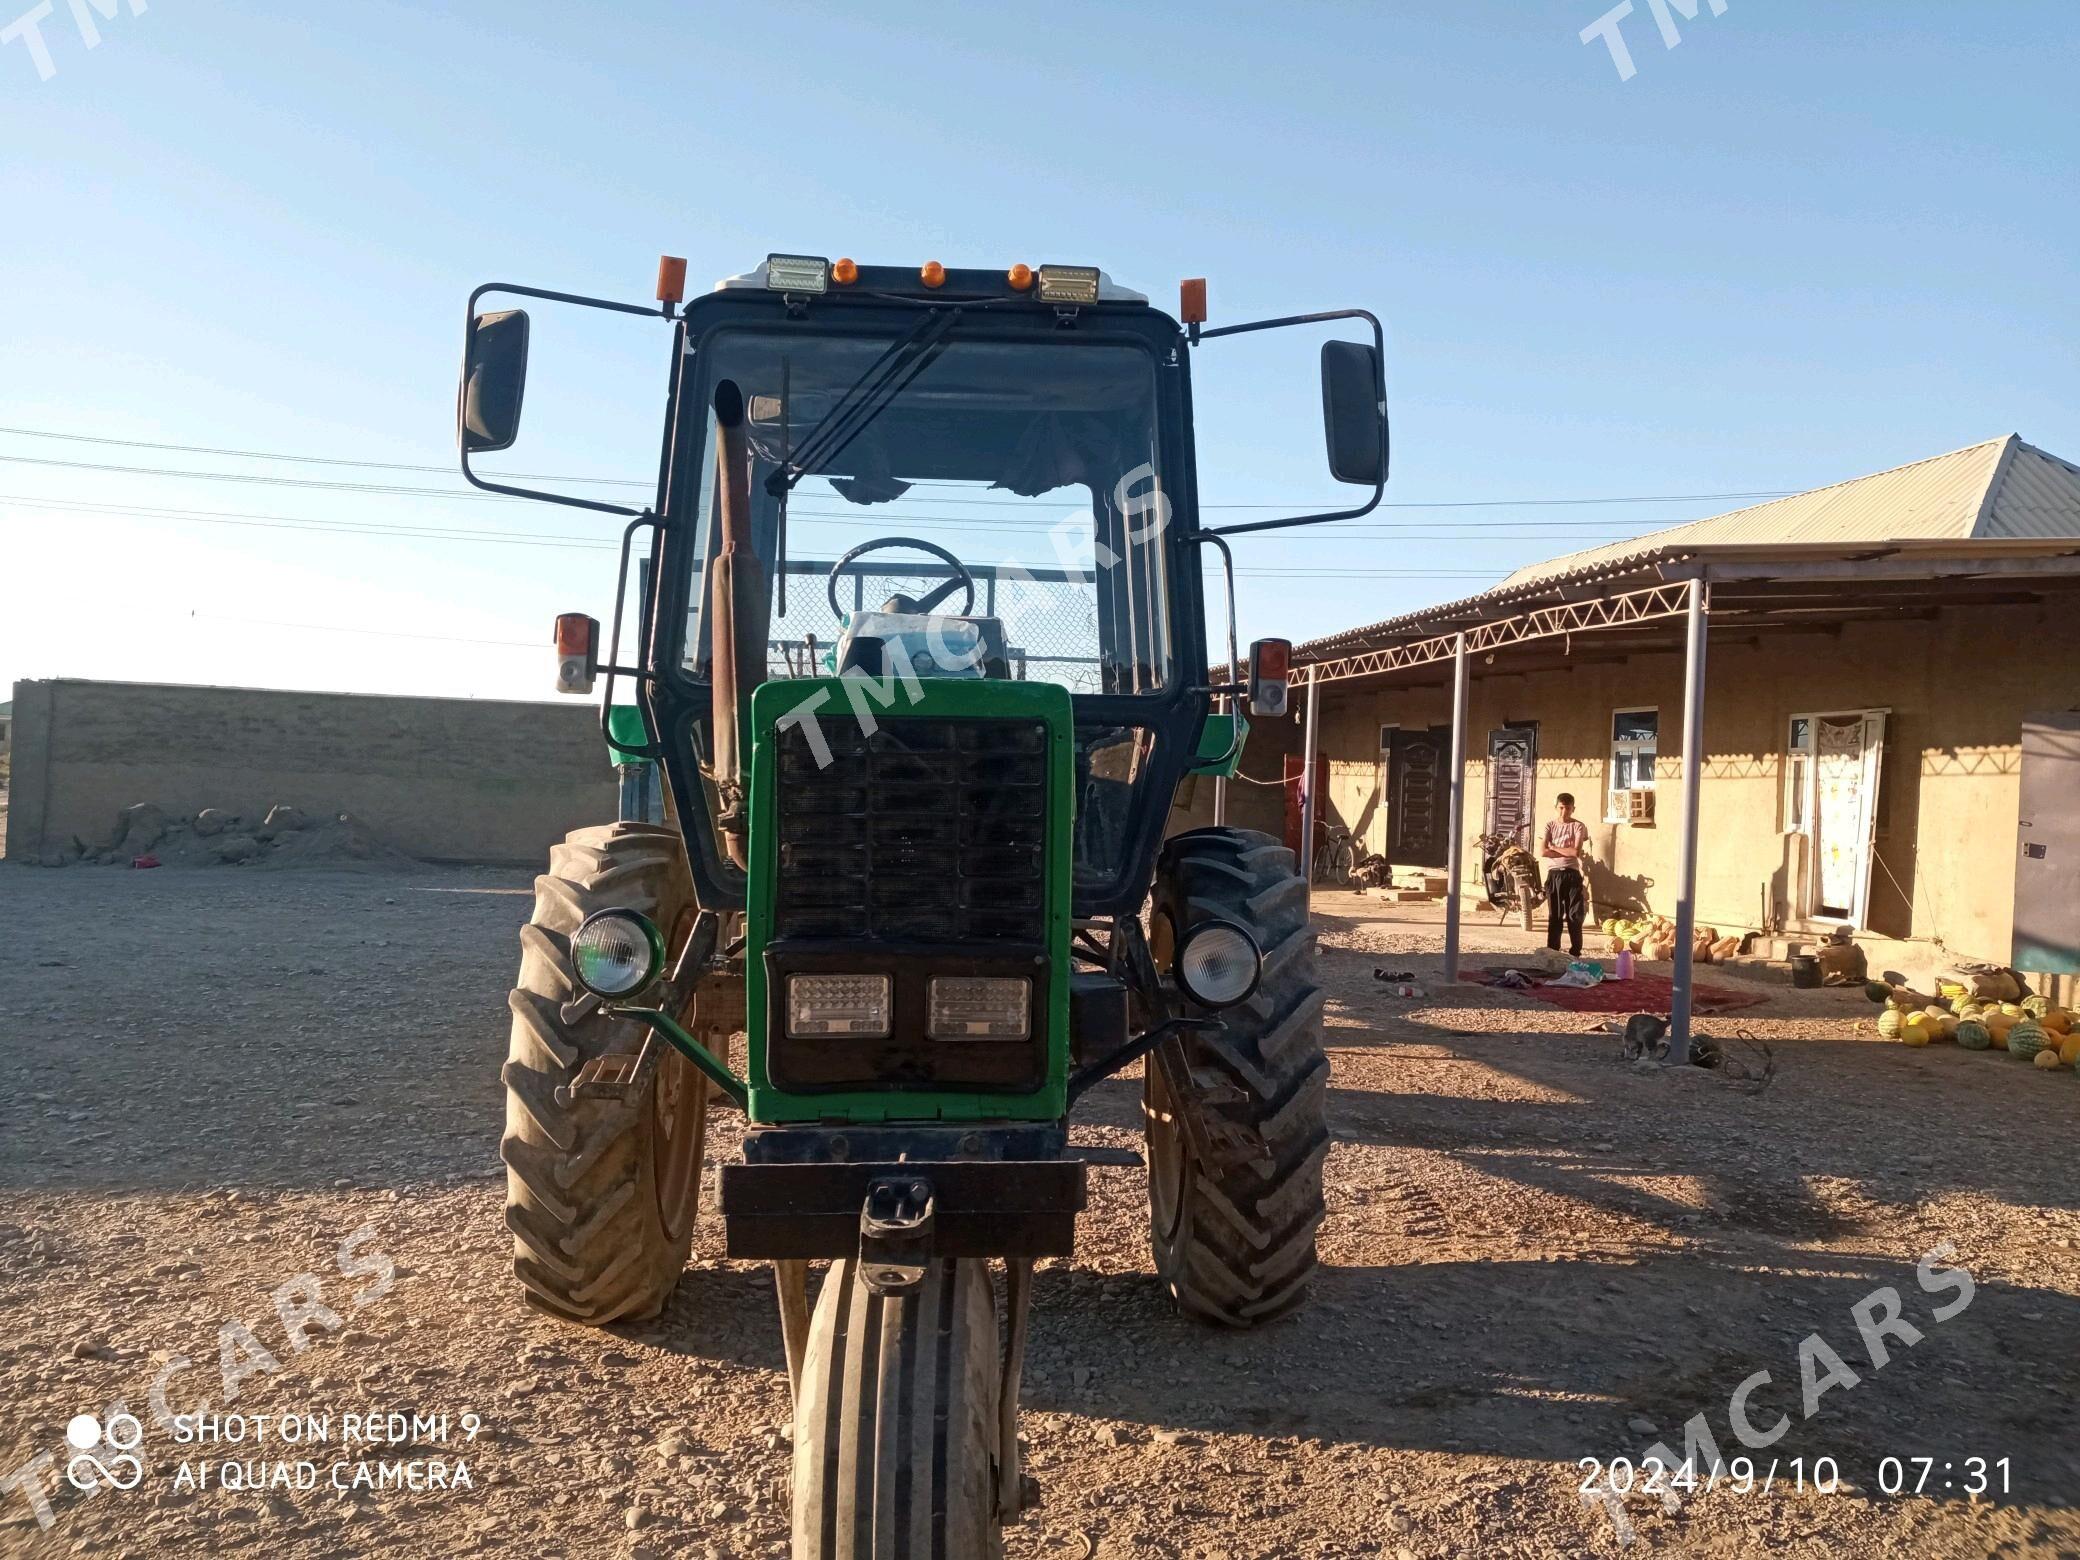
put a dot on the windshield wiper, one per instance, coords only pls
(887, 377)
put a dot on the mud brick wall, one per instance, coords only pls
(442, 779)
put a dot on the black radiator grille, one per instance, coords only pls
(925, 831)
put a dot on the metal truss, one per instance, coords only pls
(1575, 617)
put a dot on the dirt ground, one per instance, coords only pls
(232, 1097)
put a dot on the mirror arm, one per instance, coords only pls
(1379, 357)
(469, 315)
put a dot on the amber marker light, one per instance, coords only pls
(671, 279)
(932, 274)
(844, 272)
(1020, 277)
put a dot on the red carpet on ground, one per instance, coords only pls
(1641, 994)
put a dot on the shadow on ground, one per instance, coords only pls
(1549, 1361)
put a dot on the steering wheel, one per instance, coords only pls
(899, 602)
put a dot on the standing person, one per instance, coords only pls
(1567, 899)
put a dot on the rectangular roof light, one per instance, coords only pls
(798, 273)
(1068, 284)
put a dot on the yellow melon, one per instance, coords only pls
(2047, 1059)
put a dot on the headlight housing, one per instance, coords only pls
(1218, 964)
(616, 953)
(980, 1007)
(855, 1006)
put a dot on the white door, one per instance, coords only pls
(1847, 750)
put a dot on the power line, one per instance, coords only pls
(270, 522)
(1409, 531)
(302, 460)
(430, 532)
(977, 495)
(384, 633)
(438, 533)
(261, 479)
(375, 633)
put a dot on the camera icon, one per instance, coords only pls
(87, 1437)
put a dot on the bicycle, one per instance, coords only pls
(1341, 861)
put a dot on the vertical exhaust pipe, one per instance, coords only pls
(738, 614)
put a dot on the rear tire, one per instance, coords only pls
(895, 1430)
(601, 1191)
(1235, 1241)
(1529, 894)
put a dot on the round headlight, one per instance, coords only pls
(616, 953)
(1218, 964)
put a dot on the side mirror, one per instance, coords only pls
(1270, 664)
(494, 376)
(1354, 414)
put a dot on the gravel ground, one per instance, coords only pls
(236, 1097)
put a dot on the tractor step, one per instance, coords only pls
(615, 1076)
(1101, 1154)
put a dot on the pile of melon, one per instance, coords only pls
(2033, 1030)
(1654, 937)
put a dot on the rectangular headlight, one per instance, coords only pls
(856, 1005)
(798, 273)
(980, 1007)
(1068, 284)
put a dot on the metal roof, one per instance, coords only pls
(2002, 490)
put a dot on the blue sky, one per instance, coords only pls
(1808, 242)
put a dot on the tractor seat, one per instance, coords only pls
(974, 646)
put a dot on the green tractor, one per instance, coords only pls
(894, 811)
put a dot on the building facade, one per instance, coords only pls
(1880, 656)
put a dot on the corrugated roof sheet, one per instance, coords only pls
(2037, 496)
(2002, 488)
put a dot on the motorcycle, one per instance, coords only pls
(1511, 874)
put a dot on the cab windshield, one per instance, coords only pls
(1031, 471)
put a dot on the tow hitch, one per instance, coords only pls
(895, 1234)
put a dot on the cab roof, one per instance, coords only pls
(965, 283)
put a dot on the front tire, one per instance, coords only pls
(1234, 1238)
(601, 1188)
(896, 1428)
